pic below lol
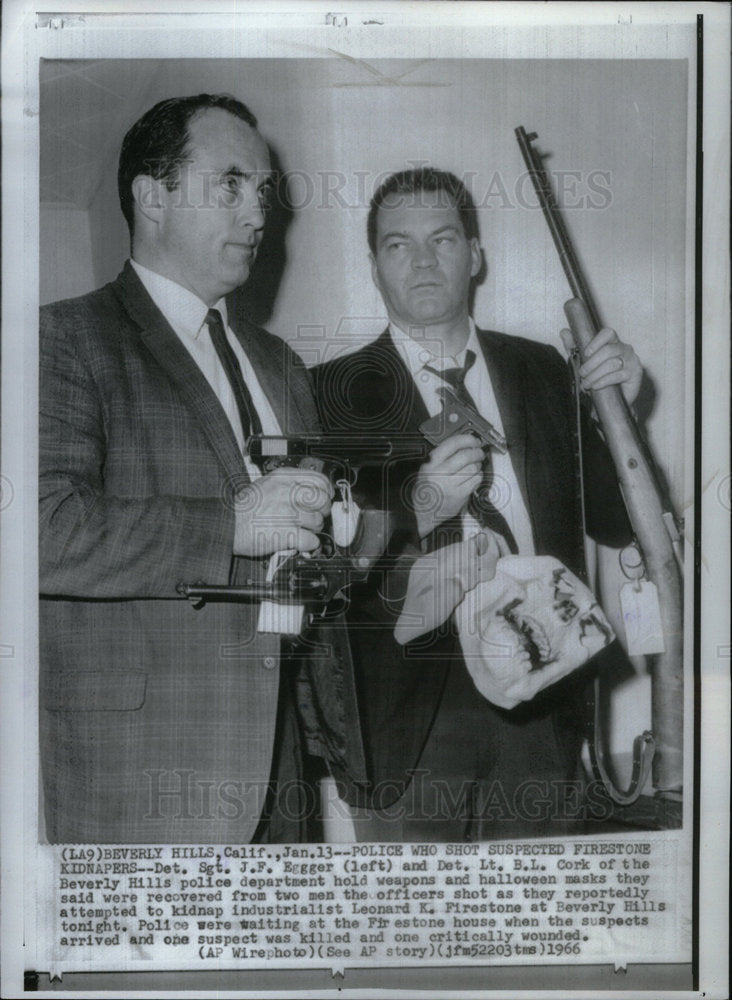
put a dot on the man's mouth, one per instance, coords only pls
(245, 248)
(531, 634)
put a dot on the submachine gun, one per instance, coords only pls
(319, 581)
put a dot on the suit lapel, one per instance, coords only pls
(396, 389)
(272, 374)
(165, 346)
(507, 375)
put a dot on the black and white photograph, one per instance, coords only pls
(369, 629)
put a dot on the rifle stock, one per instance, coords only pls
(647, 516)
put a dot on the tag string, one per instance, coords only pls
(632, 565)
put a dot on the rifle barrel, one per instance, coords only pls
(555, 222)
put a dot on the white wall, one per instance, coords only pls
(64, 254)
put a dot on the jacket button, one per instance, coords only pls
(269, 662)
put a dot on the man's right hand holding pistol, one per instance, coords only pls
(285, 509)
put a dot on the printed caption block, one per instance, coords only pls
(534, 902)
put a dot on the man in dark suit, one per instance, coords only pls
(160, 722)
(444, 762)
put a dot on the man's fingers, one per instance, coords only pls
(612, 366)
(306, 498)
(446, 449)
(612, 363)
(312, 520)
(300, 489)
(285, 538)
(458, 484)
(316, 480)
(306, 541)
(485, 540)
(609, 361)
(609, 356)
(487, 545)
(481, 556)
(601, 339)
(461, 461)
(300, 479)
(603, 381)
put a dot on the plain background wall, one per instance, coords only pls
(616, 131)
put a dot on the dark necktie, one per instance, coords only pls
(480, 504)
(250, 423)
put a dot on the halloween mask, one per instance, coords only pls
(529, 626)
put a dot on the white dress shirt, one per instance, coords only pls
(418, 353)
(186, 314)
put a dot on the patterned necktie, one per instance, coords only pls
(250, 423)
(480, 504)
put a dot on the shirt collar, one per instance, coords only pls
(418, 353)
(183, 310)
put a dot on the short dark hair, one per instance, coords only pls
(424, 179)
(157, 144)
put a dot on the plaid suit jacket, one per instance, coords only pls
(157, 719)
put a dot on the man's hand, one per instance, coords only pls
(440, 580)
(446, 480)
(282, 510)
(608, 361)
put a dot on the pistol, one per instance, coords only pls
(459, 418)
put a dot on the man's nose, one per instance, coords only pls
(251, 211)
(424, 256)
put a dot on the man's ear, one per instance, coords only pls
(374, 271)
(476, 257)
(149, 196)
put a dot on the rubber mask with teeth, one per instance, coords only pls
(532, 624)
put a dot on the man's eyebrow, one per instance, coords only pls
(392, 234)
(449, 227)
(233, 171)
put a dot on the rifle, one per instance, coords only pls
(652, 521)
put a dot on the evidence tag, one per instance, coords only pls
(285, 619)
(344, 515)
(642, 618)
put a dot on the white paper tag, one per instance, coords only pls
(642, 618)
(283, 619)
(344, 516)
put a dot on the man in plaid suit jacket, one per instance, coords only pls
(160, 722)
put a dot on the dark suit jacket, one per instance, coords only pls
(373, 391)
(157, 719)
